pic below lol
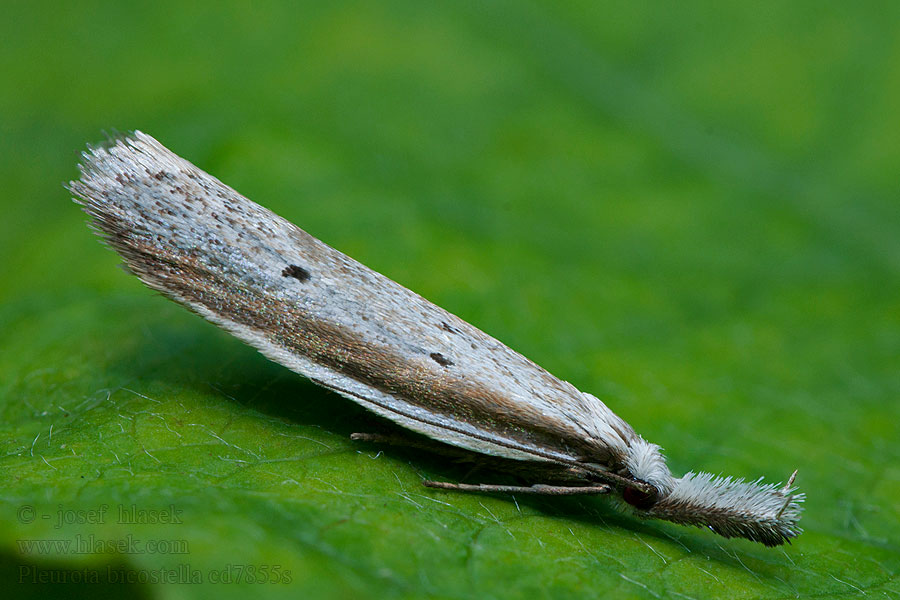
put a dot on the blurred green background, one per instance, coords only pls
(690, 211)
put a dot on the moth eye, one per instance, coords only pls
(638, 499)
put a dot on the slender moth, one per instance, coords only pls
(347, 328)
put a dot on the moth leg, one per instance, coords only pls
(536, 471)
(538, 489)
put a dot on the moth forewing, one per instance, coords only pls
(324, 315)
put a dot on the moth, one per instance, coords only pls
(347, 328)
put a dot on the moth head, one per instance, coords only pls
(762, 512)
(645, 462)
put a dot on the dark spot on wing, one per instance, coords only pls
(440, 359)
(446, 327)
(298, 273)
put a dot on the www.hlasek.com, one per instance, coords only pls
(88, 544)
(183, 573)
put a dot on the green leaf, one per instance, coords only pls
(688, 211)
